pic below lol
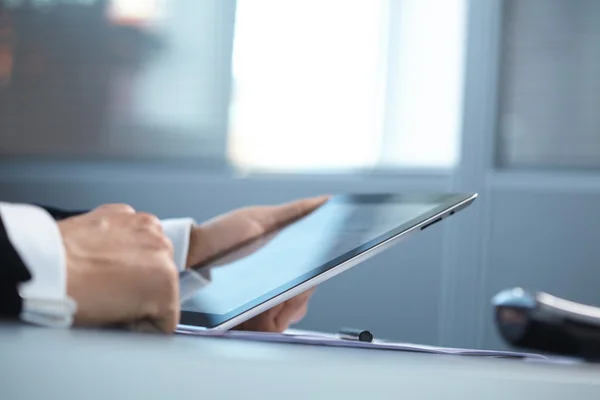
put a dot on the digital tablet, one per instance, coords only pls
(343, 232)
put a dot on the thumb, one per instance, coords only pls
(224, 233)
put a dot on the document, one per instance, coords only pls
(323, 339)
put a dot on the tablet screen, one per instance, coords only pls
(337, 231)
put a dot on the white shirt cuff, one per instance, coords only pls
(190, 281)
(178, 231)
(36, 238)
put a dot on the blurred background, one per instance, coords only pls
(196, 107)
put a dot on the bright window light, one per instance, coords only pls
(134, 12)
(344, 84)
(307, 89)
(426, 84)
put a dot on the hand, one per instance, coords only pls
(120, 268)
(228, 231)
(280, 317)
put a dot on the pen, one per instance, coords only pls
(355, 334)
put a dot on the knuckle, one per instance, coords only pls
(147, 220)
(172, 278)
(101, 222)
(167, 271)
(164, 243)
(117, 208)
(167, 244)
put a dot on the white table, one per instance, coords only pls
(46, 364)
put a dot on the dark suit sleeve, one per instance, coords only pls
(59, 214)
(12, 272)
(12, 269)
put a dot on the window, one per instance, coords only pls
(113, 79)
(334, 84)
(550, 84)
(276, 85)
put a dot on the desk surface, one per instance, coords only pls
(38, 363)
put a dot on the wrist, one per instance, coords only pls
(194, 250)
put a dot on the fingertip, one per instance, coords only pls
(319, 200)
(310, 203)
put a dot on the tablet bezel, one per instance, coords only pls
(448, 205)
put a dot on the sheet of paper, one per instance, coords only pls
(320, 339)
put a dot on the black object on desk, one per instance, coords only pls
(542, 322)
(355, 334)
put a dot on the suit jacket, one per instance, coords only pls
(12, 269)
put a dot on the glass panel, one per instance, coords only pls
(308, 81)
(114, 78)
(317, 84)
(426, 88)
(550, 84)
(343, 84)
